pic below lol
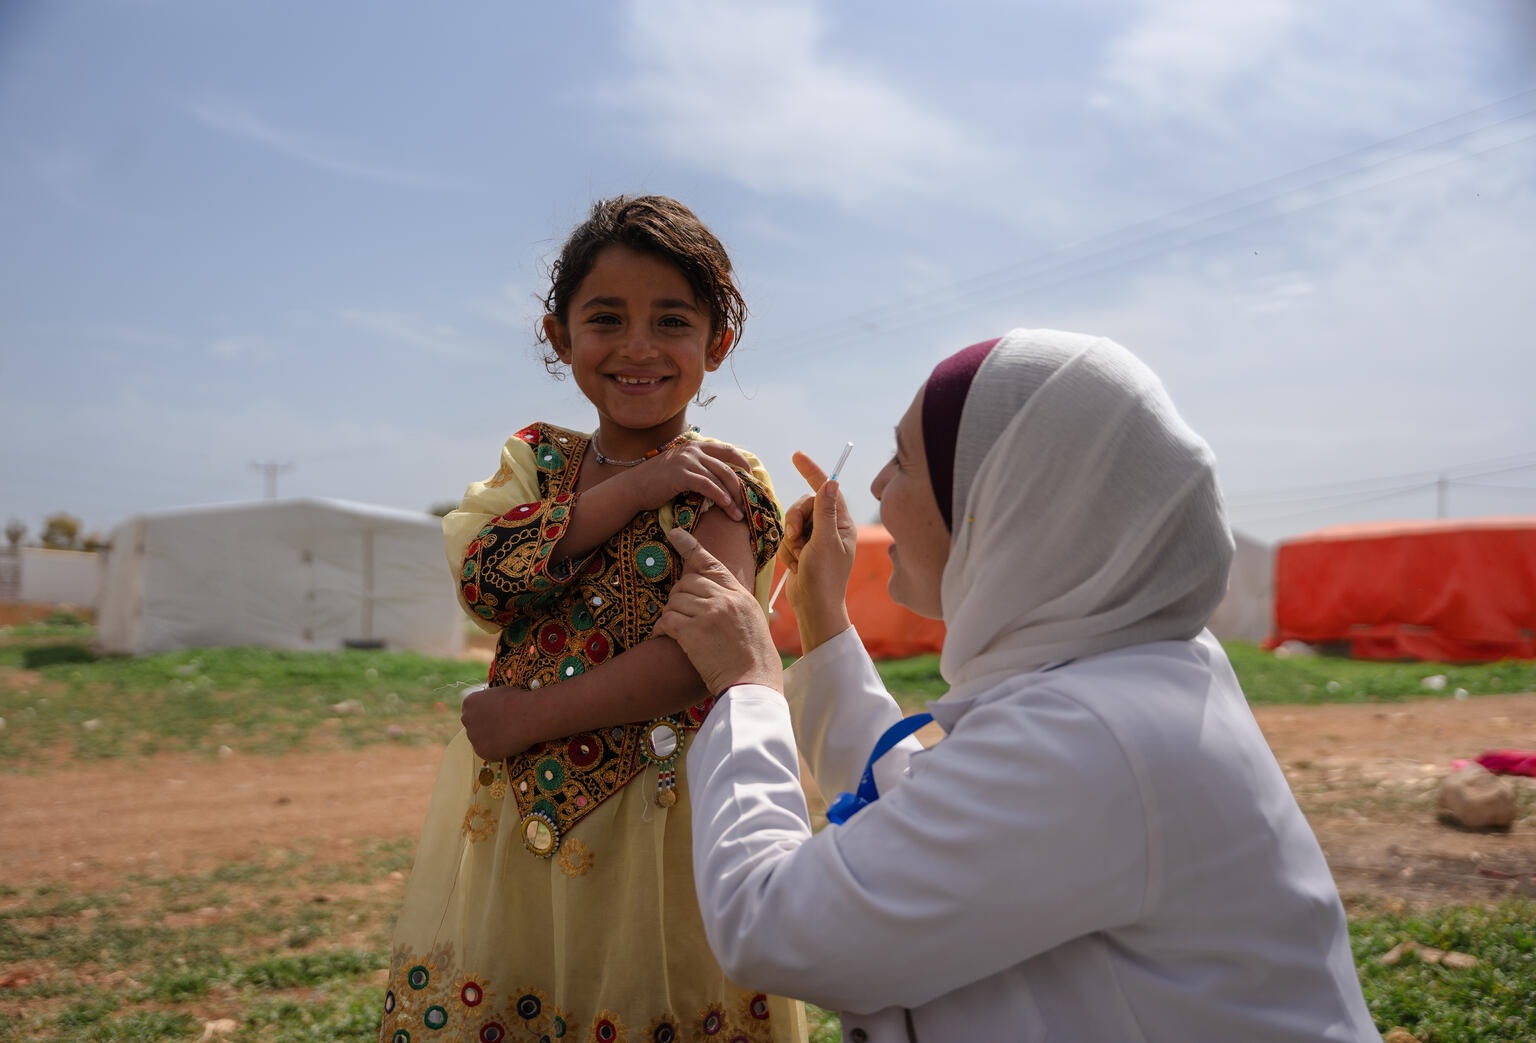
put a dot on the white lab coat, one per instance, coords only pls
(1101, 851)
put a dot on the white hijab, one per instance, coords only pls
(1086, 513)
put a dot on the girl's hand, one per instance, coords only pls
(701, 467)
(820, 563)
(490, 717)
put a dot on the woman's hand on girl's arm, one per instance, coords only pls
(819, 564)
(700, 467)
(718, 622)
(655, 678)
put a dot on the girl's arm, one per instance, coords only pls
(651, 680)
(604, 509)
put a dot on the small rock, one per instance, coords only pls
(283, 800)
(2, 724)
(1294, 649)
(17, 977)
(1460, 693)
(1427, 954)
(347, 708)
(1333, 686)
(225, 751)
(371, 674)
(1433, 683)
(1477, 798)
(218, 1029)
(394, 731)
(92, 724)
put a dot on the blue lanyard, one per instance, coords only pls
(847, 804)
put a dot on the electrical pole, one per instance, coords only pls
(270, 469)
(1442, 494)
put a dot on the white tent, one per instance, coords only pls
(305, 574)
(1247, 613)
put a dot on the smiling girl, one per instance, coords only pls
(552, 895)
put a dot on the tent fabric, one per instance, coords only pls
(888, 630)
(60, 577)
(299, 574)
(892, 632)
(1454, 590)
(1247, 613)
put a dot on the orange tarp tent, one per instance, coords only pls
(1450, 590)
(887, 630)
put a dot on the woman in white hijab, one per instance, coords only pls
(1102, 847)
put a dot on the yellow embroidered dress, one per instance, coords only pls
(552, 894)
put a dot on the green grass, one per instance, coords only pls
(1493, 1002)
(160, 955)
(1321, 679)
(289, 948)
(58, 695)
(1267, 679)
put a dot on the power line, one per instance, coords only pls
(929, 313)
(1306, 493)
(1006, 279)
(1360, 501)
(1498, 488)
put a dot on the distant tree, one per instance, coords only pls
(95, 542)
(60, 531)
(15, 529)
(443, 508)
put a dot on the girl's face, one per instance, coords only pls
(638, 344)
(909, 511)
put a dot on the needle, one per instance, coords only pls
(836, 470)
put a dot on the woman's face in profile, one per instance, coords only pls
(910, 513)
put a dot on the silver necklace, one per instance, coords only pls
(669, 444)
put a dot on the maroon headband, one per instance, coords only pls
(943, 402)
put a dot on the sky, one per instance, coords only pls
(316, 236)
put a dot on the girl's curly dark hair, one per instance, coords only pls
(653, 225)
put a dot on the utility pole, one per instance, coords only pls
(270, 469)
(1442, 495)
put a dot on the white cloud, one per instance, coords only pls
(230, 119)
(411, 330)
(1381, 335)
(1183, 55)
(254, 348)
(1233, 71)
(753, 93)
(516, 306)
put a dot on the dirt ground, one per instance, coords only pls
(1365, 775)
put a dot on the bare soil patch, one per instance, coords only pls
(1365, 775)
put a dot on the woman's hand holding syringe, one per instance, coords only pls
(818, 548)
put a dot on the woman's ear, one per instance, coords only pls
(559, 340)
(719, 350)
